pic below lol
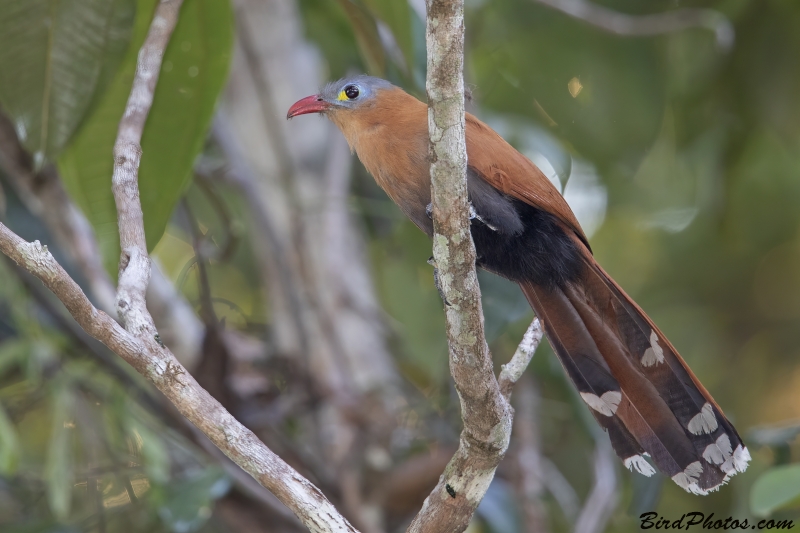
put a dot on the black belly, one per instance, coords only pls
(541, 252)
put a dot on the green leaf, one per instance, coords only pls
(9, 445)
(192, 76)
(58, 468)
(776, 488)
(187, 505)
(56, 56)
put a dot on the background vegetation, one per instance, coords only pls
(680, 154)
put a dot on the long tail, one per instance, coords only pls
(636, 384)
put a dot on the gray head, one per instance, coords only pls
(346, 93)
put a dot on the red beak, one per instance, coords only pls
(309, 104)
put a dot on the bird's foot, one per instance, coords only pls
(437, 281)
(429, 212)
(473, 215)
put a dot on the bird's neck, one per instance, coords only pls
(390, 137)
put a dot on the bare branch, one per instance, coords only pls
(486, 413)
(647, 25)
(139, 343)
(512, 371)
(247, 484)
(43, 193)
(134, 269)
(165, 372)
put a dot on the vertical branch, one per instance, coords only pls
(484, 408)
(134, 268)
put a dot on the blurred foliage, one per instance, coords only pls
(697, 149)
(56, 59)
(79, 449)
(194, 71)
(694, 150)
(778, 487)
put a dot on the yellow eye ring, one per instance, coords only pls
(350, 92)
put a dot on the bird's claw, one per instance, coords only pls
(429, 212)
(437, 281)
(473, 215)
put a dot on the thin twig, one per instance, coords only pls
(139, 343)
(512, 371)
(236, 441)
(112, 365)
(43, 193)
(647, 25)
(91, 348)
(134, 268)
(165, 372)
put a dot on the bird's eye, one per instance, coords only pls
(351, 91)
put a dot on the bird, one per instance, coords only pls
(634, 382)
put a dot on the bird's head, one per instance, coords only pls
(347, 94)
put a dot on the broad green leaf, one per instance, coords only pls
(9, 445)
(58, 468)
(56, 56)
(193, 73)
(776, 488)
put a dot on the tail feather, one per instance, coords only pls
(638, 387)
(588, 370)
(715, 439)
